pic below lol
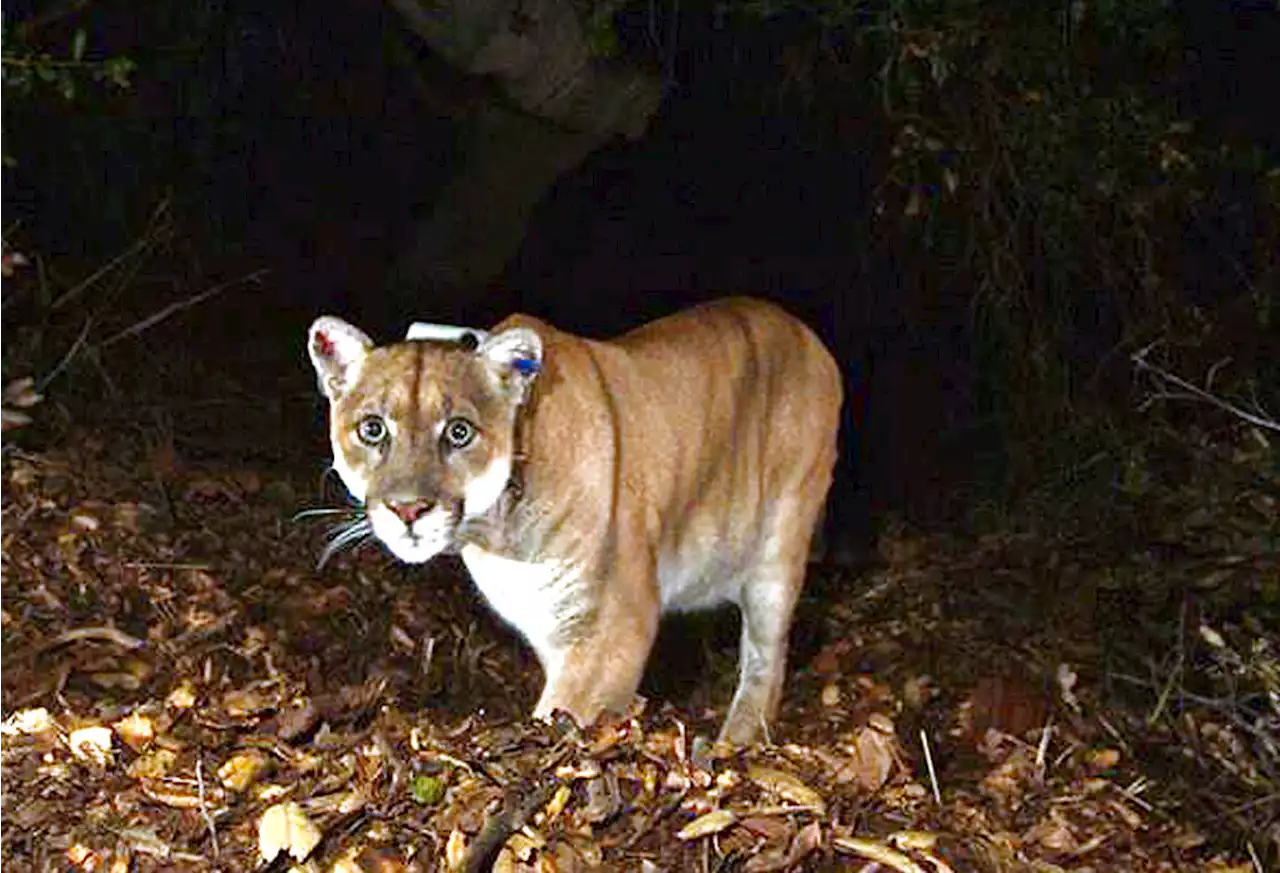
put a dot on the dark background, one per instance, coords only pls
(304, 151)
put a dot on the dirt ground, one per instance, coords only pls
(184, 689)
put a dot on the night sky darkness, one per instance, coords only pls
(314, 156)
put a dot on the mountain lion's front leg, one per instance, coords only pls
(600, 668)
(595, 675)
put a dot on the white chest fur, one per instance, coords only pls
(540, 600)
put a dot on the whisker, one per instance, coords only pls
(346, 532)
(345, 535)
(312, 513)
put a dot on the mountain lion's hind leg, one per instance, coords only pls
(767, 601)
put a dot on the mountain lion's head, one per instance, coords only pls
(423, 432)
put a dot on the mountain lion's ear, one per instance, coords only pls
(337, 350)
(513, 356)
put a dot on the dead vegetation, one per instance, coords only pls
(183, 689)
(1090, 685)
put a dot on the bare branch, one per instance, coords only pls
(68, 357)
(1166, 381)
(154, 319)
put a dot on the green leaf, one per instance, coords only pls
(427, 790)
(601, 37)
(78, 43)
(118, 70)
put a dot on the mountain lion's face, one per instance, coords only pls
(422, 432)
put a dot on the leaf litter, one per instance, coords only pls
(183, 689)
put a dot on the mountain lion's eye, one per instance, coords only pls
(371, 430)
(458, 433)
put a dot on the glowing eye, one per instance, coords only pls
(458, 433)
(371, 430)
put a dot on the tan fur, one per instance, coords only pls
(680, 466)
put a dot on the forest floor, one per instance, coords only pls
(184, 689)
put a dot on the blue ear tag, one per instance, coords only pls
(526, 366)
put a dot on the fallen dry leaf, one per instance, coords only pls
(136, 730)
(706, 825)
(155, 764)
(28, 721)
(172, 794)
(1103, 759)
(873, 755)
(455, 849)
(828, 658)
(788, 787)
(80, 855)
(877, 852)
(284, 827)
(1007, 782)
(92, 744)
(241, 770)
(807, 841)
(182, 697)
(1054, 833)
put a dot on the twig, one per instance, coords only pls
(67, 358)
(105, 632)
(149, 238)
(152, 320)
(1042, 750)
(928, 761)
(665, 810)
(1245, 807)
(1263, 419)
(428, 653)
(506, 821)
(1228, 707)
(787, 809)
(1174, 675)
(106, 377)
(204, 807)
(161, 565)
(1253, 857)
(1222, 704)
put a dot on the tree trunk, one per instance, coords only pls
(477, 222)
(549, 104)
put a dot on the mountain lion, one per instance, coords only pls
(590, 486)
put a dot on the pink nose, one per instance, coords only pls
(410, 510)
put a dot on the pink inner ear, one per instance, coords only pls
(324, 345)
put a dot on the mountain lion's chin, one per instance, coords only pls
(410, 552)
(417, 543)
